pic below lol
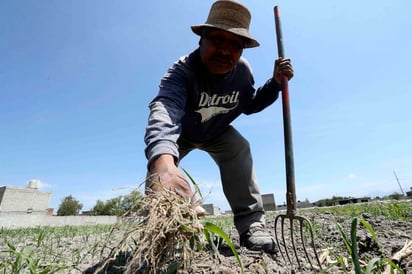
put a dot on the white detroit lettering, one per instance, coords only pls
(215, 100)
(211, 106)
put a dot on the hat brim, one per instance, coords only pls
(250, 41)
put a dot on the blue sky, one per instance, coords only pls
(76, 78)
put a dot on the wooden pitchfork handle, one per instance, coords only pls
(287, 127)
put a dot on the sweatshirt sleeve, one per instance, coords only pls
(166, 112)
(263, 97)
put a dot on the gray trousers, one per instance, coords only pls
(231, 152)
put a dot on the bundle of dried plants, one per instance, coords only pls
(159, 233)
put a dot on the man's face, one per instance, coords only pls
(220, 51)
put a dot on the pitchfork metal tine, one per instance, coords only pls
(283, 237)
(303, 242)
(292, 239)
(285, 252)
(312, 242)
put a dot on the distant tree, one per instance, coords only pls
(330, 201)
(131, 200)
(324, 202)
(117, 206)
(396, 196)
(69, 206)
(99, 208)
(110, 207)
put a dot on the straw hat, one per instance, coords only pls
(230, 16)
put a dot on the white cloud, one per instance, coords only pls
(39, 184)
(351, 176)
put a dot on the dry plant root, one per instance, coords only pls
(405, 251)
(162, 230)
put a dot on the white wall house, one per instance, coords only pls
(20, 200)
(269, 202)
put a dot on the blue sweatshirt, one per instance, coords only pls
(199, 106)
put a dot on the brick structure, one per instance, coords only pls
(269, 202)
(211, 210)
(409, 194)
(19, 200)
(352, 201)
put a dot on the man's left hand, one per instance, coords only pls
(283, 66)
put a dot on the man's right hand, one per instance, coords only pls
(166, 175)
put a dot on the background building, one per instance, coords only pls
(211, 210)
(409, 194)
(269, 202)
(19, 200)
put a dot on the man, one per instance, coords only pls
(199, 96)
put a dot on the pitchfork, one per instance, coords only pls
(294, 220)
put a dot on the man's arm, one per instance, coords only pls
(269, 92)
(162, 132)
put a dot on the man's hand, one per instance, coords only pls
(167, 175)
(283, 66)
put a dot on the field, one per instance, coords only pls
(374, 232)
